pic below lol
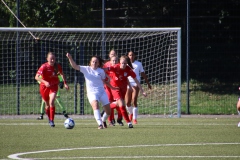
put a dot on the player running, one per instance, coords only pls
(119, 79)
(47, 75)
(132, 94)
(95, 78)
(58, 99)
(113, 104)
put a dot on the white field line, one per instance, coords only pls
(17, 155)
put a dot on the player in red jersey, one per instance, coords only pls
(122, 71)
(113, 104)
(47, 75)
(106, 65)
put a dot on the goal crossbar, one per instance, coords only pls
(87, 29)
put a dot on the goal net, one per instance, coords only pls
(21, 55)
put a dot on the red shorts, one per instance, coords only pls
(109, 93)
(119, 94)
(46, 91)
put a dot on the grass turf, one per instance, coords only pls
(153, 138)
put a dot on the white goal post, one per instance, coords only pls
(23, 50)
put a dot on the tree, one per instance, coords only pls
(48, 13)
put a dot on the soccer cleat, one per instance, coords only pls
(40, 118)
(238, 112)
(104, 124)
(51, 123)
(111, 123)
(130, 117)
(119, 121)
(134, 121)
(130, 125)
(65, 114)
(238, 124)
(100, 127)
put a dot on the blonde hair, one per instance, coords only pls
(128, 60)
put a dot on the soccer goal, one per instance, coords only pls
(23, 50)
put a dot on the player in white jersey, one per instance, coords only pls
(95, 79)
(132, 94)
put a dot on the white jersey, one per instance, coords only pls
(94, 79)
(138, 69)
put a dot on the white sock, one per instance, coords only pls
(97, 116)
(129, 123)
(104, 117)
(135, 112)
(238, 112)
(130, 109)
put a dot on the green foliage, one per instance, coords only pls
(48, 13)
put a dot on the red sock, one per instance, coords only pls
(113, 105)
(47, 111)
(124, 113)
(111, 117)
(119, 113)
(52, 113)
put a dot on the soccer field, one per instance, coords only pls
(189, 137)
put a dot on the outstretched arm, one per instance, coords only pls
(146, 80)
(72, 62)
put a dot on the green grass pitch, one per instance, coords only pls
(208, 138)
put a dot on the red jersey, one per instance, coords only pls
(119, 78)
(107, 64)
(48, 73)
(109, 73)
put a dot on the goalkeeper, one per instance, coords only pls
(59, 102)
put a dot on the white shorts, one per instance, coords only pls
(99, 96)
(133, 84)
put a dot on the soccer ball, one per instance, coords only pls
(69, 123)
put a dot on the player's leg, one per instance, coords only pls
(113, 105)
(106, 107)
(110, 98)
(119, 95)
(44, 91)
(134, 102)
(41, 110)
(61, 105)
(52, 97)
(122, 107)
(94, 101)
(96, 112)
(238, 109)
(119, 117)
(107, 112)
(238, 106)
(128, 100)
